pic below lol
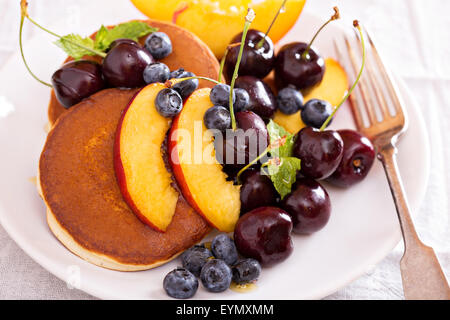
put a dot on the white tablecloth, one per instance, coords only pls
(415, 40)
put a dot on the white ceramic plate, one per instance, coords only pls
(362, 230)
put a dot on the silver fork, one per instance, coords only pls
(422, 276)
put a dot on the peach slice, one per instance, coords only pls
(217, 22)
(333, 88)
(199, 175)
(141, 173)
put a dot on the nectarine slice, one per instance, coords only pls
(217, 22)
(199, 175)
(141, 173)
(333, 88)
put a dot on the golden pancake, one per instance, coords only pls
(86, 211)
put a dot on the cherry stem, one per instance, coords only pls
(248, 21)
(261, 42)
(252, 163)
(274, 145)
(22, 19)
(222, 64)
(169, 83)
(335, 16)
(357, 26)
(23, 6)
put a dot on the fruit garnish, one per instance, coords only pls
(187, 83)
(216, 22)
(195, 258)
(242, 100)
(220, 94)
(179, 10)
(124, 65)
(332, 88)
(262, 101)
(77, 46)
(156, 72)
(168, 103)
(257, 190)
(159, 45)
(144, 181)
(289, 100)
(282, 166)
(218, 118)
(223, 247)
(216, 275)
(321, 150)
(180, 283)
(359, 155)
(315, 112)
(222, 61)
(308, 205)
(259, 53)
(246, 272)
(264, 234)
(199, 175)
(76, 80)
(299, 64)
(256, 62)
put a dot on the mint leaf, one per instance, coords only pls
(282, 167)
(69, 44)
(130, 30)
(277, 132)
(76, 46)
(283, 172)
(100, 37)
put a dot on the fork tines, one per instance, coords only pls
(376, 104)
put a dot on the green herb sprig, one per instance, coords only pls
(77, 46)
(282, 166)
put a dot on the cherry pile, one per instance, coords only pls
(341, 158)
(127, 64)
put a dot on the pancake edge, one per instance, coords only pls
(98, 259)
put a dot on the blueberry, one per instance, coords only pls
(195, 258)
(246, 270)
(242, 100)
(156, 72)
(315, 112)
(177, 73)
(220, 95)
(223, 247)
(186, 87)
(180, 283)
(217, 117)
(159, 45)
(216, 275)
(168, 103)
(289, 100)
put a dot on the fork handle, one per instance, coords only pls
(422, 275)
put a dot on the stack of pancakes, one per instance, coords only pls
(85, 208)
